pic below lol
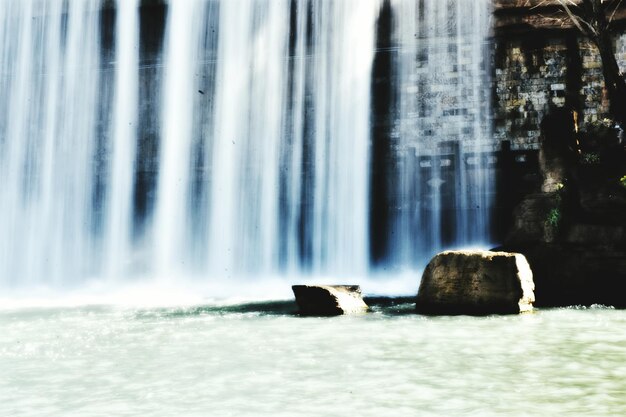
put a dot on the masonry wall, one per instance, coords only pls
(534, 71)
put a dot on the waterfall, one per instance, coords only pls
(266, 150)
(250, 95)
(176, 136)
(118, 236)
(49, 99)
(444, 132)
(241, 143)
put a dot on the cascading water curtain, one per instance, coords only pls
(259, 165)
(284, 165)
(444, 135)
(49, 72)
(237, 142)
(118, 204)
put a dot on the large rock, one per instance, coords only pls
(476, 282)
(329, 300)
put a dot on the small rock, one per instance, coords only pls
(476, 282)
(329, 300)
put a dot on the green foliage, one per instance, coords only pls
(590, 158)
(554, 217)
(623, 181)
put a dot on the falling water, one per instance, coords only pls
(280, 179)
(262, 148)
(247, 137)
(49, 76)
(119, 204)
(444, 130)
(177, 119)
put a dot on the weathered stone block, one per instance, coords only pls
(329, 300)
(476, 282)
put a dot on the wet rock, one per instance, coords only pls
(577, 273)
(530, 218)
(585, 262)
(475, 283)
(329, 300)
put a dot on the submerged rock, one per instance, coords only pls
(476, 282)
(329, 300)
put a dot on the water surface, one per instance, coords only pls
(262, 360)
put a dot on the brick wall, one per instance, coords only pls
(534, 71)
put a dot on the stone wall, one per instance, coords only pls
(539, 64)
(526, 83)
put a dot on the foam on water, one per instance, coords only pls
(188, 291)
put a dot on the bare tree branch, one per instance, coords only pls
(619, 3)
(581, 24)
(593, 18)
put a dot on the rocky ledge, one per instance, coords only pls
(573, 229)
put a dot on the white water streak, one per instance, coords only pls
(170, 235)
(49, 67)
(119, 205)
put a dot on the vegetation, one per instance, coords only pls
(600, 143)
(555, 215)
(590, 158)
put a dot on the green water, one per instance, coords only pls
(261, 360)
